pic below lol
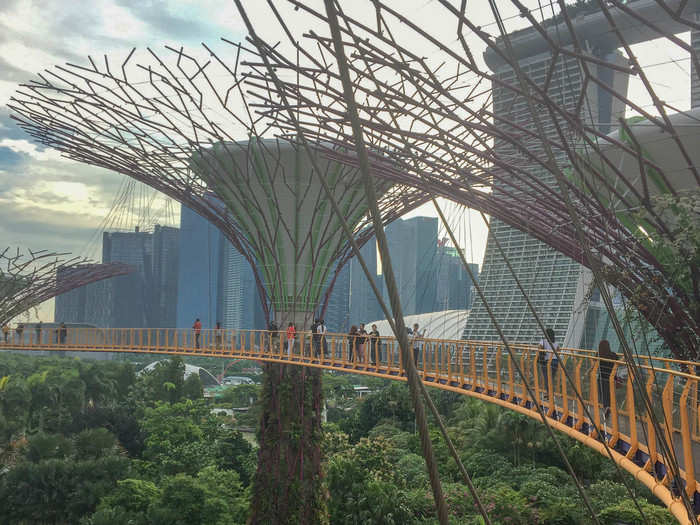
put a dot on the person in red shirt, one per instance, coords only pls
(291, 335)
(197, 327)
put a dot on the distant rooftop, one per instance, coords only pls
(591, 24)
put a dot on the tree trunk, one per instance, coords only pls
(287, 484)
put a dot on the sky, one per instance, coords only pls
(49, 202)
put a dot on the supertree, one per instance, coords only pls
(538, 134)
(184, 126)
(28, 278)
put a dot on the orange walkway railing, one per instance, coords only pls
(480, 369)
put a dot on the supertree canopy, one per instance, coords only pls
(29, 278)
(272, 193)
(521, 111)
(184, 126)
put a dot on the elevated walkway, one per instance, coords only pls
(483, 370)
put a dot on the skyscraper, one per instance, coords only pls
(413, 249)
(337, 317)
(143, 298)
(240, 302)
(555, 284)
(454, 286)
(363, 305)
(166, 258)
(90, 304)
(199, 283)
(215, 282)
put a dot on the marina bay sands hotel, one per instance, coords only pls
(559, 287)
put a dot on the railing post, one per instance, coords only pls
(593, 378)
(498, 371)
(667, 403)
(449, 366)
(536, 375)
(613, 406)
(687, 444)
(523, 391)
(564, 390)
(511, 379)
(651, 433)
(632, 418)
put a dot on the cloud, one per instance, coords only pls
(9, 158)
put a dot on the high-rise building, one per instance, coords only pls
(362, 303)
(166, 259)
(413, 249)
(240, 302)
(454, 286)
(142, 298)
(199, 283)
(90, 304)
(337, 316)
(555, 284)
(215, 281)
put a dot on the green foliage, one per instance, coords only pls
(176, 441)
(243, 395)
(57, 490)
(213, 497)
(75, 434)
(94, 443)
(626, 512)
(166, 383)
(360, 491)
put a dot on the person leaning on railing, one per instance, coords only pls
(548, 359)
(274, 336)
(605, 368)
(6, 332)
(374, 343)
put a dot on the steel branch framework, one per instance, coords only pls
(183, 125)
(29, 278)
(436, 125)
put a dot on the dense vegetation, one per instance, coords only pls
(95, 443)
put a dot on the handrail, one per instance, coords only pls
(477, 368)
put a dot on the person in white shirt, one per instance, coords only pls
(416, 336)
(547, 359)
(322, 330)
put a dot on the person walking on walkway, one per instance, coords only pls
(37, 331)
(605, 368)
(374, 342)
(6, 332)
(361, 340)
(291, 336)
(20, 331)
(219, 336)
(63, 333)
(352, 341)
(316, 338)
(416, 336)
(273, 329)
(548, 360)
(197, 327)
(322, 329)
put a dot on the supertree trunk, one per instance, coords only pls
(287, 484)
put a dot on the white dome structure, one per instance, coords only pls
(446, 324)
(205, 376)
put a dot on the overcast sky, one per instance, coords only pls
(49, 202)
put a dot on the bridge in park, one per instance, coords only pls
(484, 370)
